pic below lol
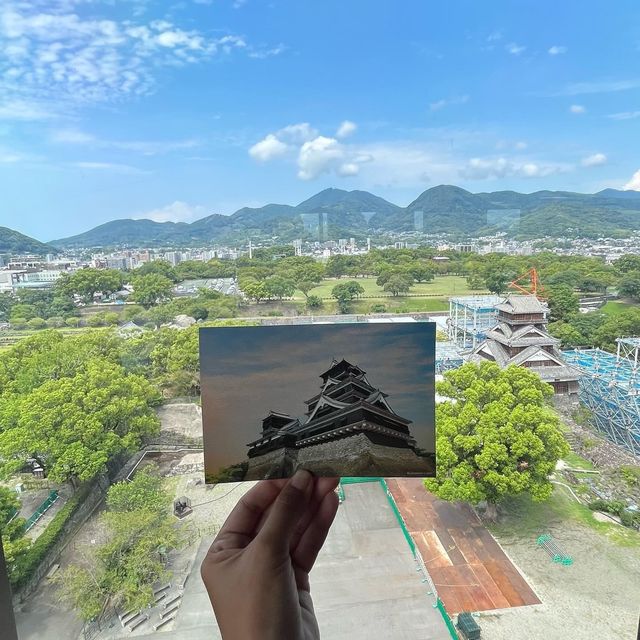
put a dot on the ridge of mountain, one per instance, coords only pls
(444, 209)
(13, 242)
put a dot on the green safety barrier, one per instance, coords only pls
(407, 536)
(41, 510)
(547, 542)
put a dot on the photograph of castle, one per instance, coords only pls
(338, 400)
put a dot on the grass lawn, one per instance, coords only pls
(616, 308)
(444, 286)
(576, 462)
(524, 518)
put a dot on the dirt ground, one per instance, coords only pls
(596, 597)
(184, 419)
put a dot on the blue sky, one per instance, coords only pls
(174, 110)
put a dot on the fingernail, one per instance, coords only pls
(301, 479)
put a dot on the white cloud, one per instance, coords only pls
(318, 156)
(500, 167)
(297, 133)
(268, 148)
(634, 183)
(594, 160)
(283, 141)
(314, 154)
(578, 109)
(515, 49)
(144, 147)
(346, 128)
(441, 104)
(624, 115)
(55, 57)
(556, 50)
(606, 86)
(268, 53)
(24, 110)
(521, 145)
(177, 211)
(112, 167)
(72, 136)
(494, 36)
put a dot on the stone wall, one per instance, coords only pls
(353, 456)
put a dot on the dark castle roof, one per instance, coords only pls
(347, 404)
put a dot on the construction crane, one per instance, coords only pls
(529, 284)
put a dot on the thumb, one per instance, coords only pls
(287, 510)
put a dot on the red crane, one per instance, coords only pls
(529, 284)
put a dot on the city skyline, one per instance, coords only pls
(175, 111)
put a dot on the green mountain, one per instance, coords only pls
(442, 209)
(13, 242)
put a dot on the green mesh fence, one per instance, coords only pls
(41, 510)
(407, 537)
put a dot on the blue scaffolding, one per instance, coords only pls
(470, 317)
(610, 389)
(448, 356)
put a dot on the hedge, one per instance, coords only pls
(27, 564)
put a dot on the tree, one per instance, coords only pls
(563, 302)
(475, 281)
(345, 292)
(150, 289)
(144, 492)
(398, 284)
(627, 264)
(421, 272)
(497, 280)
(125, 569)
(496, 436)
(79, 422)
(279, 287)
(6, 302)
(159, 268)
(255, 290)
(37, 323)
(9, 504)
(87, 282)
(629, 286)
(55, 322)
(314, 302)
(567, 334)
(305, 286)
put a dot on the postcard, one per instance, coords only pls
(335, 399)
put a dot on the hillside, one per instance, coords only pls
(13, 242)
(445, 209)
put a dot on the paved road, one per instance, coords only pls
(365, 584)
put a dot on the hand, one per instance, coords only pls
(257, 569)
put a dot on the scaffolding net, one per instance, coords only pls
(610, 389)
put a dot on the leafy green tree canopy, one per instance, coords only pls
(496, 436)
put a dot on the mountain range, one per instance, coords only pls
(442, 209)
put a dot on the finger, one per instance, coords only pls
(320, 490)
(306, 552)
(287, 510)
(247, 513)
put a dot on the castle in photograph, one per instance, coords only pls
(349, 428)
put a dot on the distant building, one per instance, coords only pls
(173, 257)
(349, 429)
(520, 337)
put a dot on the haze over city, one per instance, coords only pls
(172, 111)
